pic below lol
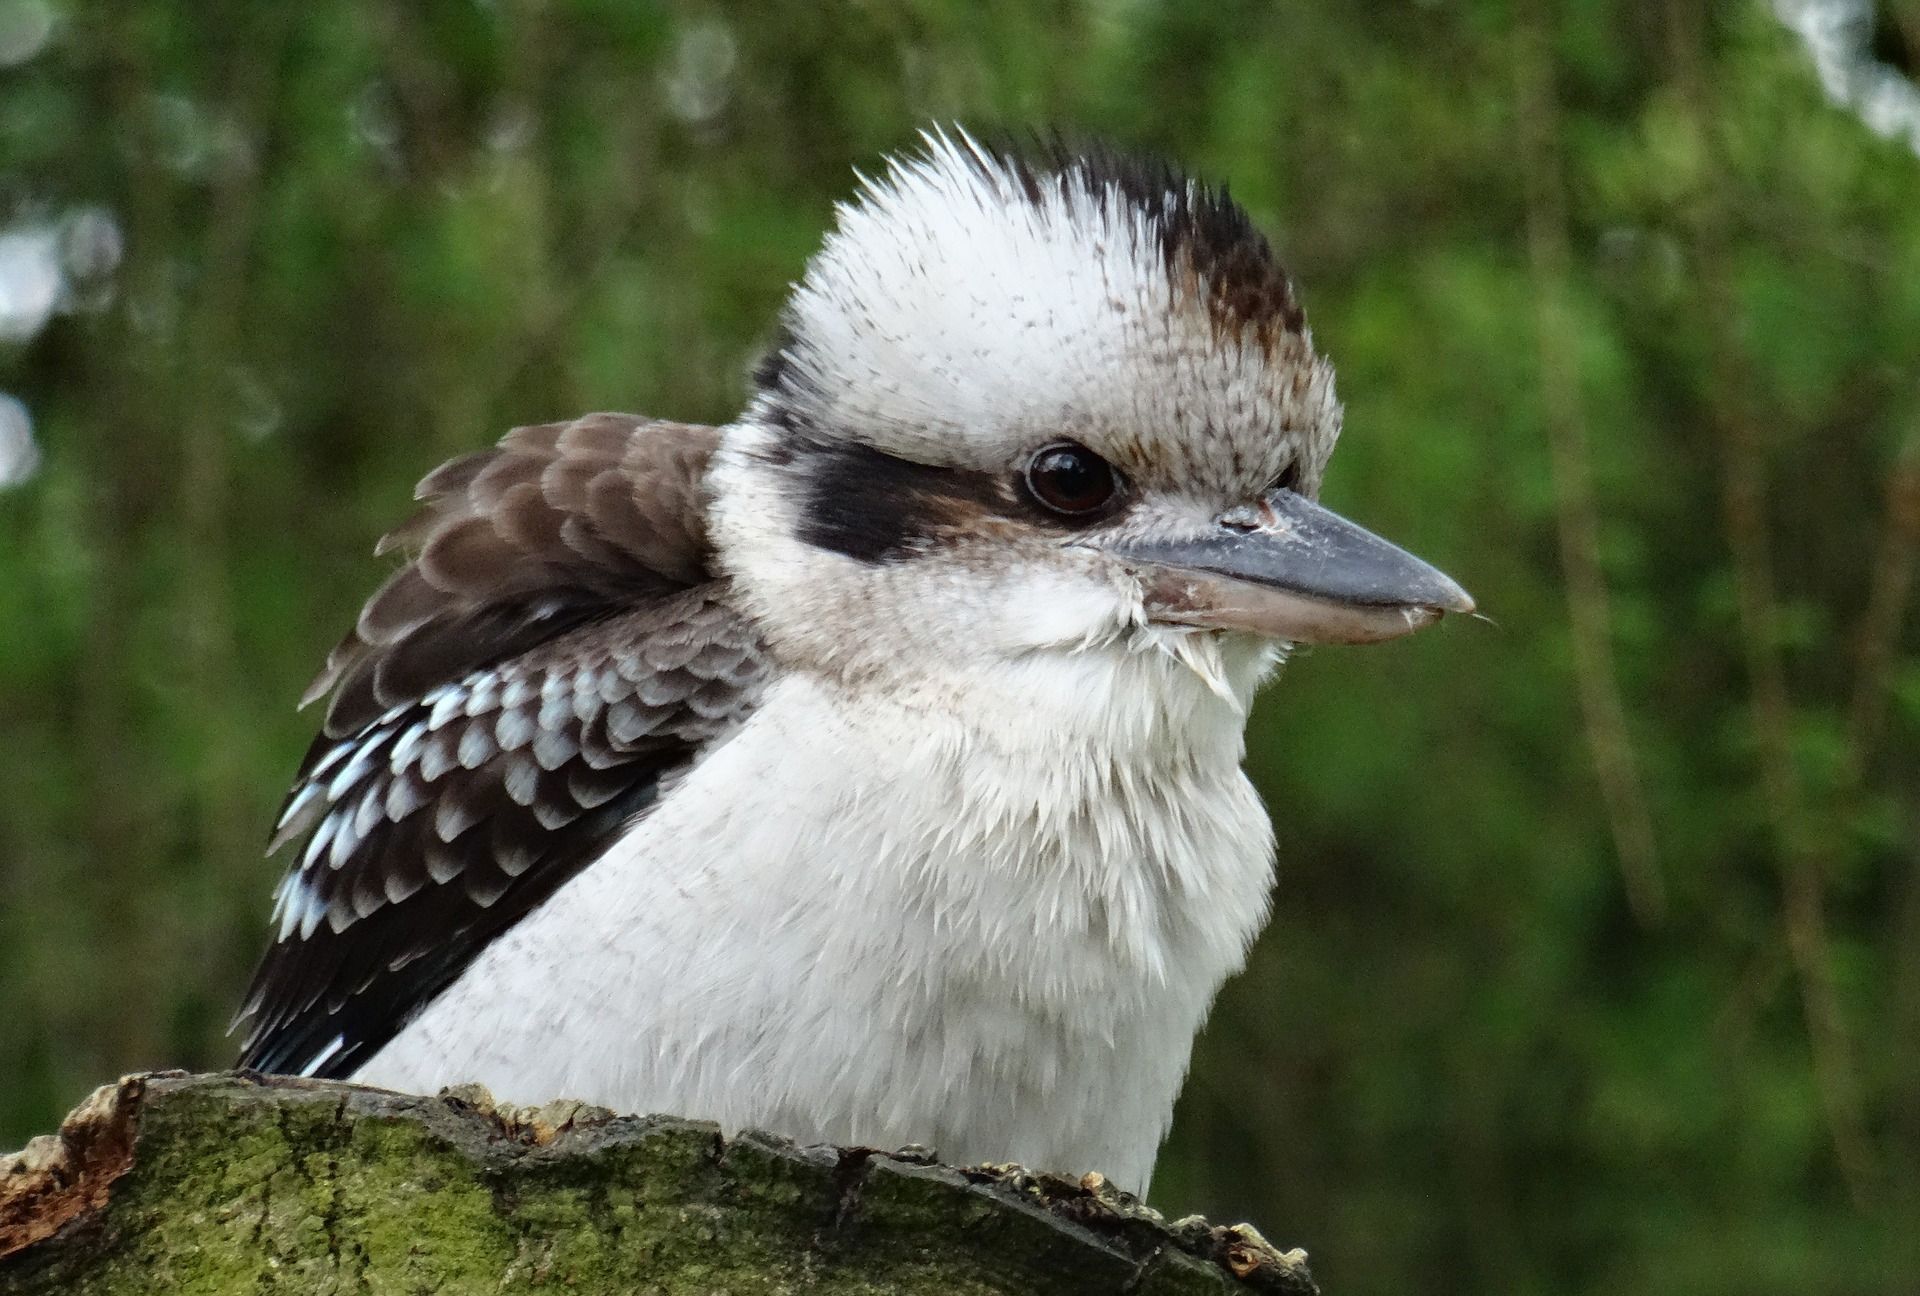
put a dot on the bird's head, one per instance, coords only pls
(1022, 406)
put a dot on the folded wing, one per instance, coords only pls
(555, 653)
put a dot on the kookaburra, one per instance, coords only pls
(867, 769)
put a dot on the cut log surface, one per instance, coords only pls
(215, 1184)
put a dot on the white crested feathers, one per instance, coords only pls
(955, 315)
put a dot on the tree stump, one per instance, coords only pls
(235, 1182)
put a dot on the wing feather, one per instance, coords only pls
(557, 652)
(515, 545)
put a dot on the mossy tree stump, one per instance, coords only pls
(173, 1183)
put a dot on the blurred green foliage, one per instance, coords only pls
(1596, 956)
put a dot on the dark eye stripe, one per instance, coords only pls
(877, 508)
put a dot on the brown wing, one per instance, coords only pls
(557, 524)
(511, 700)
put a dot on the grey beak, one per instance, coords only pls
(1288, 569)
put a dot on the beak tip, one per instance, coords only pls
(1445, 594)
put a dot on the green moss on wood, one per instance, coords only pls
(237, 1183)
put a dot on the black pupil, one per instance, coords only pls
(1071, 479)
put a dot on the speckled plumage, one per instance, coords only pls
(554, 655)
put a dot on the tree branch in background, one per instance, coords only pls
(1903, 1055)
(1588, 606)
(1888, 591)
(1744, 508)
(214, 330)
(1902, 17)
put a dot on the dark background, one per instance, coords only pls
(1596, 963)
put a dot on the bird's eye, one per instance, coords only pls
(1071, 479)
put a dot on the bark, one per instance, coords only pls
(244, 1183)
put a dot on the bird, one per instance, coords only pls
(867, 769)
